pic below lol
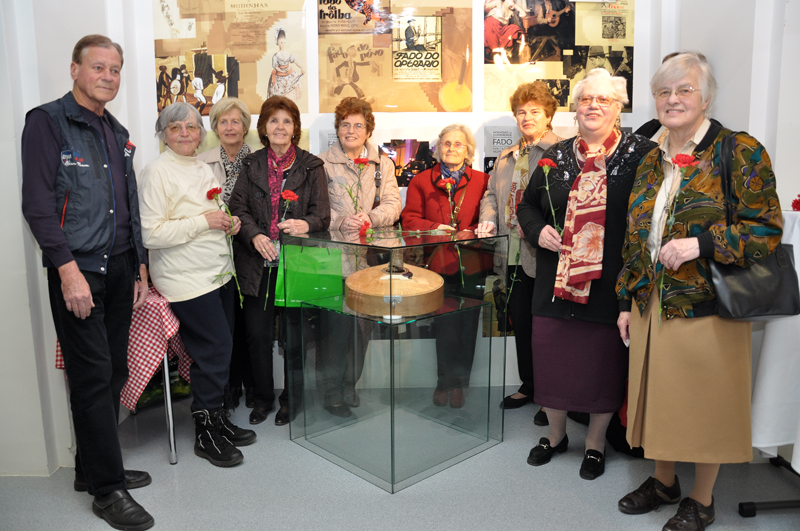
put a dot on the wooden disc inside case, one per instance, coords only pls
(410, 290)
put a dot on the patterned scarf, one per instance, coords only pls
(447, 173)
(519, 181)
(277, 165)
(581, 257)
(232, 169)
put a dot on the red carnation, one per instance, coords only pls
(288, 195)
(449, 181)
(361, 161)
(546, 162)
(363, 230)
(684, 161)
(213, 193)
(796, 203)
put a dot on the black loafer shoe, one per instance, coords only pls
(650, 496)
(133, 478)
(691, 516)
(282, 417)
(259, 414)
(594, 464)
(339, 410)
(544, 451)
(121, 511)
(540, 418)
(513, 403)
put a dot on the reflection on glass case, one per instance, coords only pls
(396, 380)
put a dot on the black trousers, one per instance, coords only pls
(519, 306)
(455, 339)
(207, 333)
(259, 324)
(240, 373)
(95, 353)
(292, 394)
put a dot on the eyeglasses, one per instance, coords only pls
(683, 93)
(602, 101)
(176, 128)
(344, 126)
(454, 145)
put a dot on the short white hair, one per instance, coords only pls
(681, 65)
(618, 84)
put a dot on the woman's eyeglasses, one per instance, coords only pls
(176, 128)
(344, 126)
(454, 145)
(683, 93)
(602, 101)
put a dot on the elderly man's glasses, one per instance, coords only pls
(602, 101)
(683, 93)
(344, 126)
(176, 128)
(454, 145)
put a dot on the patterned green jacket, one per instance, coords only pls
(700, 212)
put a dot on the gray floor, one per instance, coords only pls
(281, 485)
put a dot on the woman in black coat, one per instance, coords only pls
(256, 199)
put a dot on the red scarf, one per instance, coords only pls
(276, 166)
(581, 257)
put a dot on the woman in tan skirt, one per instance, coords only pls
(689, 383)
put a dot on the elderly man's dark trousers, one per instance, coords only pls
(95, 353)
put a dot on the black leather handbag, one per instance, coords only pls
(767, 289)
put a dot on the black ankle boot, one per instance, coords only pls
(209, 443)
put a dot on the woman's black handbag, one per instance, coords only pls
(767, 289)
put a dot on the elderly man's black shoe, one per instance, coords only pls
(121, 511)
(650, 496)
(133, 478)
(544, 451)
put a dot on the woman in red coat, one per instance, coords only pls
(431, 205)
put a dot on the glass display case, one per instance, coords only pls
(399, 377)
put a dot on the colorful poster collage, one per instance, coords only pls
(556, 41)
(209, 49)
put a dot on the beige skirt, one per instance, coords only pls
(689, 388)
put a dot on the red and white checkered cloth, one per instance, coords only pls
(154, 330)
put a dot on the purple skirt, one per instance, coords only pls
(578, 365)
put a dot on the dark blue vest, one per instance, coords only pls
(85, 190)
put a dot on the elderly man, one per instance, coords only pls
(79, 198)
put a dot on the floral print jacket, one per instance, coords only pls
(700, 212)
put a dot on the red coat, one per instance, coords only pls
(427, 207)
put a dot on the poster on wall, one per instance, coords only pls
(556, 41)
(404, 56)
(207, 50)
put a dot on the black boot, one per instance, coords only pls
(235, 434)
(209, 443)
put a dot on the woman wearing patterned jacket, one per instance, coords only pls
(689, 383)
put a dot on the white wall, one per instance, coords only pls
(753, 47)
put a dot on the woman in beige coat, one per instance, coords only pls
(363, 189)
(533, 107)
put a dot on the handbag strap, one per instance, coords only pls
(377, 201)
(726, 176)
